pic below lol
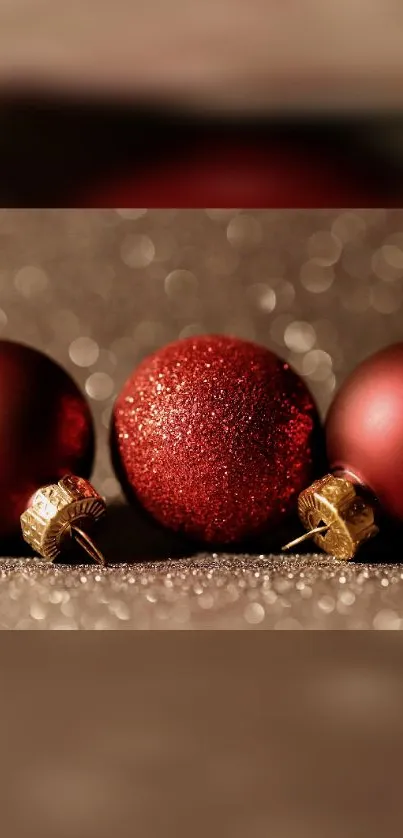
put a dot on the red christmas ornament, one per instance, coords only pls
(215, 436)
(364, 438)
(222, 173)
(364, 428)
(46, 430)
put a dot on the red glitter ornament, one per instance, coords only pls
(46, 429)
(364, 439)
(215, 436)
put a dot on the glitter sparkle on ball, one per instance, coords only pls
(215, 436)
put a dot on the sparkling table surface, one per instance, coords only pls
(208, 591)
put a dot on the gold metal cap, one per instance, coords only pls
(337, 517)
(61, 512)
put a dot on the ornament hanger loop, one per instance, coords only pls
(306, 536)
(88, 545)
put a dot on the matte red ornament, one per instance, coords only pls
(46, 429)
(364, 428)
(216, 437)
(364, 440)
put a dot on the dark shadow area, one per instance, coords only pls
(386, 547)
(130, 535)
(16, 548)
(54, 150)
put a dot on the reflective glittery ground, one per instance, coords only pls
(219, 591)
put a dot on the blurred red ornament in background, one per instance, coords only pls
(215, 436)
(231, 174)
(46, 429)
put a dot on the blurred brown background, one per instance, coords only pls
(218, 54)
(99, 99)
(295, 736)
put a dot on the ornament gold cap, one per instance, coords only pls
(61, 512)
(336, 515)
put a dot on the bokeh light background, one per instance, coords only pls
(98, 290)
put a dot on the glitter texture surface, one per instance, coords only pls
(216, 591)
(216, 437)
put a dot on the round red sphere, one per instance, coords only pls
(364, 428)
(46, 429)
(215, 436)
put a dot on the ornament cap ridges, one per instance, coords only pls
(342, 517)
(60, 511)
